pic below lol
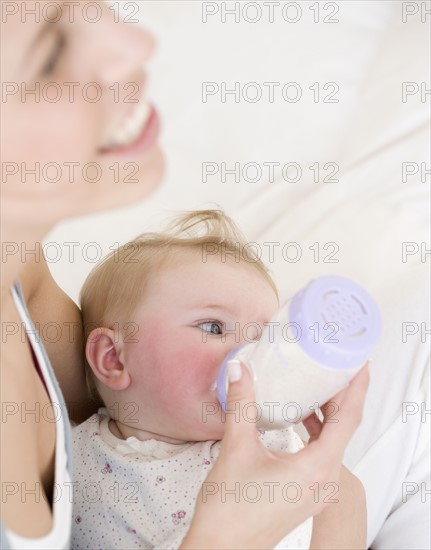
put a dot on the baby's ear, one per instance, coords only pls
(103, 355)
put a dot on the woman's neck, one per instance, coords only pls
(21, 241)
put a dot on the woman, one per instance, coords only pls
(69, 131)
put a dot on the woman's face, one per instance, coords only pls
(78, 134)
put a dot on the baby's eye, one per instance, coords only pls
(211, 326)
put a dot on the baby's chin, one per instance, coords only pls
(200, 432)
(214, 434)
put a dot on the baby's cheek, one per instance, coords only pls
(173, 371)
(187, 375)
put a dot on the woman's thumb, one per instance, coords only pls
(240, 415)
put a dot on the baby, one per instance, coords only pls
(159, 317)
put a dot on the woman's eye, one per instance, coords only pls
(212, 327)
(54, 55)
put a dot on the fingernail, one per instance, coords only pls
(234, 371)
(213, 386)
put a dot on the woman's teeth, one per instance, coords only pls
(132, 127)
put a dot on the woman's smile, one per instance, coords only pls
(138, 133)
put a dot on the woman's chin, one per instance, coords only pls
(119, 185)
(132, 181)
(125, 184)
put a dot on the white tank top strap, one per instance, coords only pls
(59, 537)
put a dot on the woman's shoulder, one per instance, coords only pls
(37, 413)
(59, 322)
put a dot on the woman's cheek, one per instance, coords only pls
(62, 134)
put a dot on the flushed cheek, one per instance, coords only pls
(192, 372)
(176, 371)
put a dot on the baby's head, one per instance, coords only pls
(161, 313)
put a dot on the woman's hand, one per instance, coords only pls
(224, 519)
(342, 525)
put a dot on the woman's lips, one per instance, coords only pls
(144, 142)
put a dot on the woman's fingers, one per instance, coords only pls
(343, 414)
(240, 412)
(313, 425)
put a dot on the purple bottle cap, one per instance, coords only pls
(339, 321)
(337, 324)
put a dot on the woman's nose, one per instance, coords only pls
(125, 47)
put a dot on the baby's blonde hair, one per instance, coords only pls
(114, 289)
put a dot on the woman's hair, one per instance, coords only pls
(115, 288)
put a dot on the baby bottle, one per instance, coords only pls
(309, 351)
